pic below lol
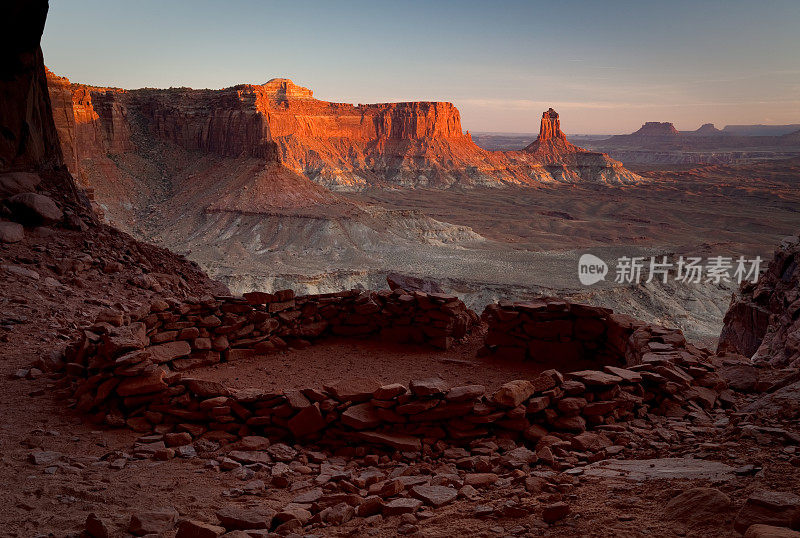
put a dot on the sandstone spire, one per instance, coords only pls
(550, 127)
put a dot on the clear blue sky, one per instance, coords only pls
(605, 66)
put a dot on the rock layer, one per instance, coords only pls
(337, 145)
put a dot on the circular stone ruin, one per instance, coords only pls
(137, 371)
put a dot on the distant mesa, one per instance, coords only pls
(707, 129)
(660, 143)
(657, 128)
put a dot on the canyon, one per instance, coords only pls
(268, 188)
(143, 398)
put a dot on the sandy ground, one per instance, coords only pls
(336, 359)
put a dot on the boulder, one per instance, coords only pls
(354, 390)
(169, 351)
(145, 384)
(361, 416)
(480, 479)
(32, 208)
(388, 392)
(595, 378)
(157, 522)
(370, 506)
(778, 508)
(698, 506)
(293, 513)
(282, 452)
(96, 527)
(434, 495)
(397, 507)
(240, 518)
(307, 421)
(12, 183)
(432, 386)
(11, 232)
(589, 441)
(465, 393)
(742, 377)
(629, 376)
(520, 456)
(205, 388)
(554, 512)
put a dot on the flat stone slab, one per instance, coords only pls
(661, 468)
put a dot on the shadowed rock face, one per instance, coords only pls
(762, 321)
(30, 153)
(27, 135)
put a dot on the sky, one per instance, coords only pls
(605, 66)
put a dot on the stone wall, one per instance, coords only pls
(133, 372)
(185, 335)
(550, 329)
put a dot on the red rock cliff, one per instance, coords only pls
(762, 321)
(338, 145)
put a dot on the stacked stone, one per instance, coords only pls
(186, 335)
(554, 331)
(130, 370)
(427, 416)
(127, 355)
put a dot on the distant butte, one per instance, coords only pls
(656, 128)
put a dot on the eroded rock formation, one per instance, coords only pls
(336, 145)
(657, 128)
(565, 162)
(550, 127)
(763, 320)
